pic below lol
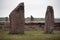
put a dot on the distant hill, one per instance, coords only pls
(41, 19)
(35, 19)
(2, 19)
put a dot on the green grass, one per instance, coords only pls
(29, 35)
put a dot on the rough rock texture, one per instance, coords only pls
(32, 19)
(49, 20)
(17, 20)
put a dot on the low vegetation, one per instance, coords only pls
(29, 35)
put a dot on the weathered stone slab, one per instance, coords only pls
(49, 20)
(17, 20)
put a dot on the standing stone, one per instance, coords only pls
(17, 20)
(6, 24)
(49, 20)
(6, 18)
(32, 19)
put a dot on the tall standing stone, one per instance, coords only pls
(17, 20)
(32, 19)
(49, 20)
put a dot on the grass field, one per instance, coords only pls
(29, 35)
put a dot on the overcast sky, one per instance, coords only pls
(36, 8)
